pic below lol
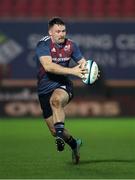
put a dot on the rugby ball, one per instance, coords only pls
(92, 74)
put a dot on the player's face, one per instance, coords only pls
(58, 33)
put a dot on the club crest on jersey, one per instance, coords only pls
(67, 48)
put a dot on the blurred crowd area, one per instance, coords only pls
(78, 9)
(105, 32)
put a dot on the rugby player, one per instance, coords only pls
(55, 89)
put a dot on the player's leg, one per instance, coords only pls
(58, 101)
(66, 136)
(73, 143)
(50, 124)
(47, 113)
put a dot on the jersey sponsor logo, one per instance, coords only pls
(61, 59)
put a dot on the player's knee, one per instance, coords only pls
(55, 102)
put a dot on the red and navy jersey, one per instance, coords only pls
(60, 54)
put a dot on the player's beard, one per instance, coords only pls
(61, 40)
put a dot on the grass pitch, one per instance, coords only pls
(27, 150)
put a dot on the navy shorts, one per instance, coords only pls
(44, 100)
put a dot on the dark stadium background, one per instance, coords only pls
(102, 114)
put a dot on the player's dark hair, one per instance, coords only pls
(55, 20)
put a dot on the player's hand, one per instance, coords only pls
(83, 63)
(79, 71)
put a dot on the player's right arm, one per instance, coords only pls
(44, 56)
(49, 66)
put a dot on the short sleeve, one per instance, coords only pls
(76, 54)
(42, 49)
